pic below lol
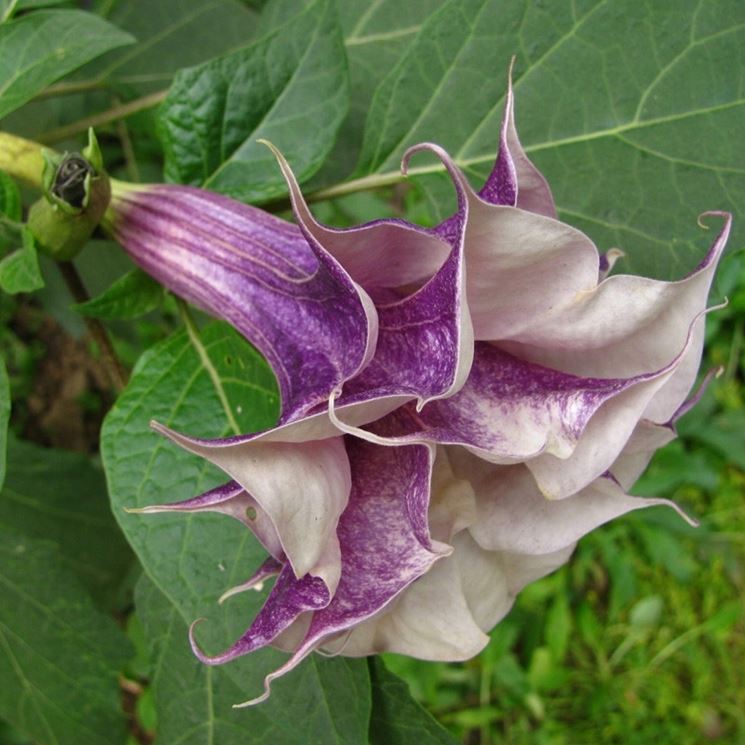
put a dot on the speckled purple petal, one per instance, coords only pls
(290, 597)
(384, 539)
(511, 411)
(514, 180)
(445, 614)
(425, 341)
(291, 299)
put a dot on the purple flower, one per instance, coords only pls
(459, 404)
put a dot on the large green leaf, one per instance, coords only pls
(397, 719)
(375, 37)
(39, 48)
(58, 496)
(170, 34)
(635, 111)
(290, 87)
(59, 656)
(194, 701)
(212, 385)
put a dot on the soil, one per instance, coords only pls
(70, 391)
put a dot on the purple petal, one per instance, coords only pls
(289, 598)
(425, 341)
(287, 296)
(514, 180)
(509, 410)
(444, 614)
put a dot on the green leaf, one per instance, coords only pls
(397, 719)
(8, 8)
(290, 87)
(193, 701)
(10, 198)
(55, 495)
(723, 433)
(19, 271)
(171, 34)
(10, 213)
(131, 296)
(634, 112)
(39, 48)
(4, 418)
(376, 35)
(59, 656)
(214, 384)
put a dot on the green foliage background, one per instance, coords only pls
(635, 111)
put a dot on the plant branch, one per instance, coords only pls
(113, 114)
(111, 362)
(70, 87)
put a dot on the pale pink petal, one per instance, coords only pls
(302, 487)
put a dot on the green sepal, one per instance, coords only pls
(77, 192)
(92, 152)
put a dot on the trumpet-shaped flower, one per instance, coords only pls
(459, 404)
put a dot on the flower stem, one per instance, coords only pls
(111, 362)
(21, 158)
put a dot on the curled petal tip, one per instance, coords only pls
(270, 145)
(195, 648)
(253, 701)
(257, 587)
(726, 216)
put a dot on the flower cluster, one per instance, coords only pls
(459, 404)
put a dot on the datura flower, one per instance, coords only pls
(459, 404)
